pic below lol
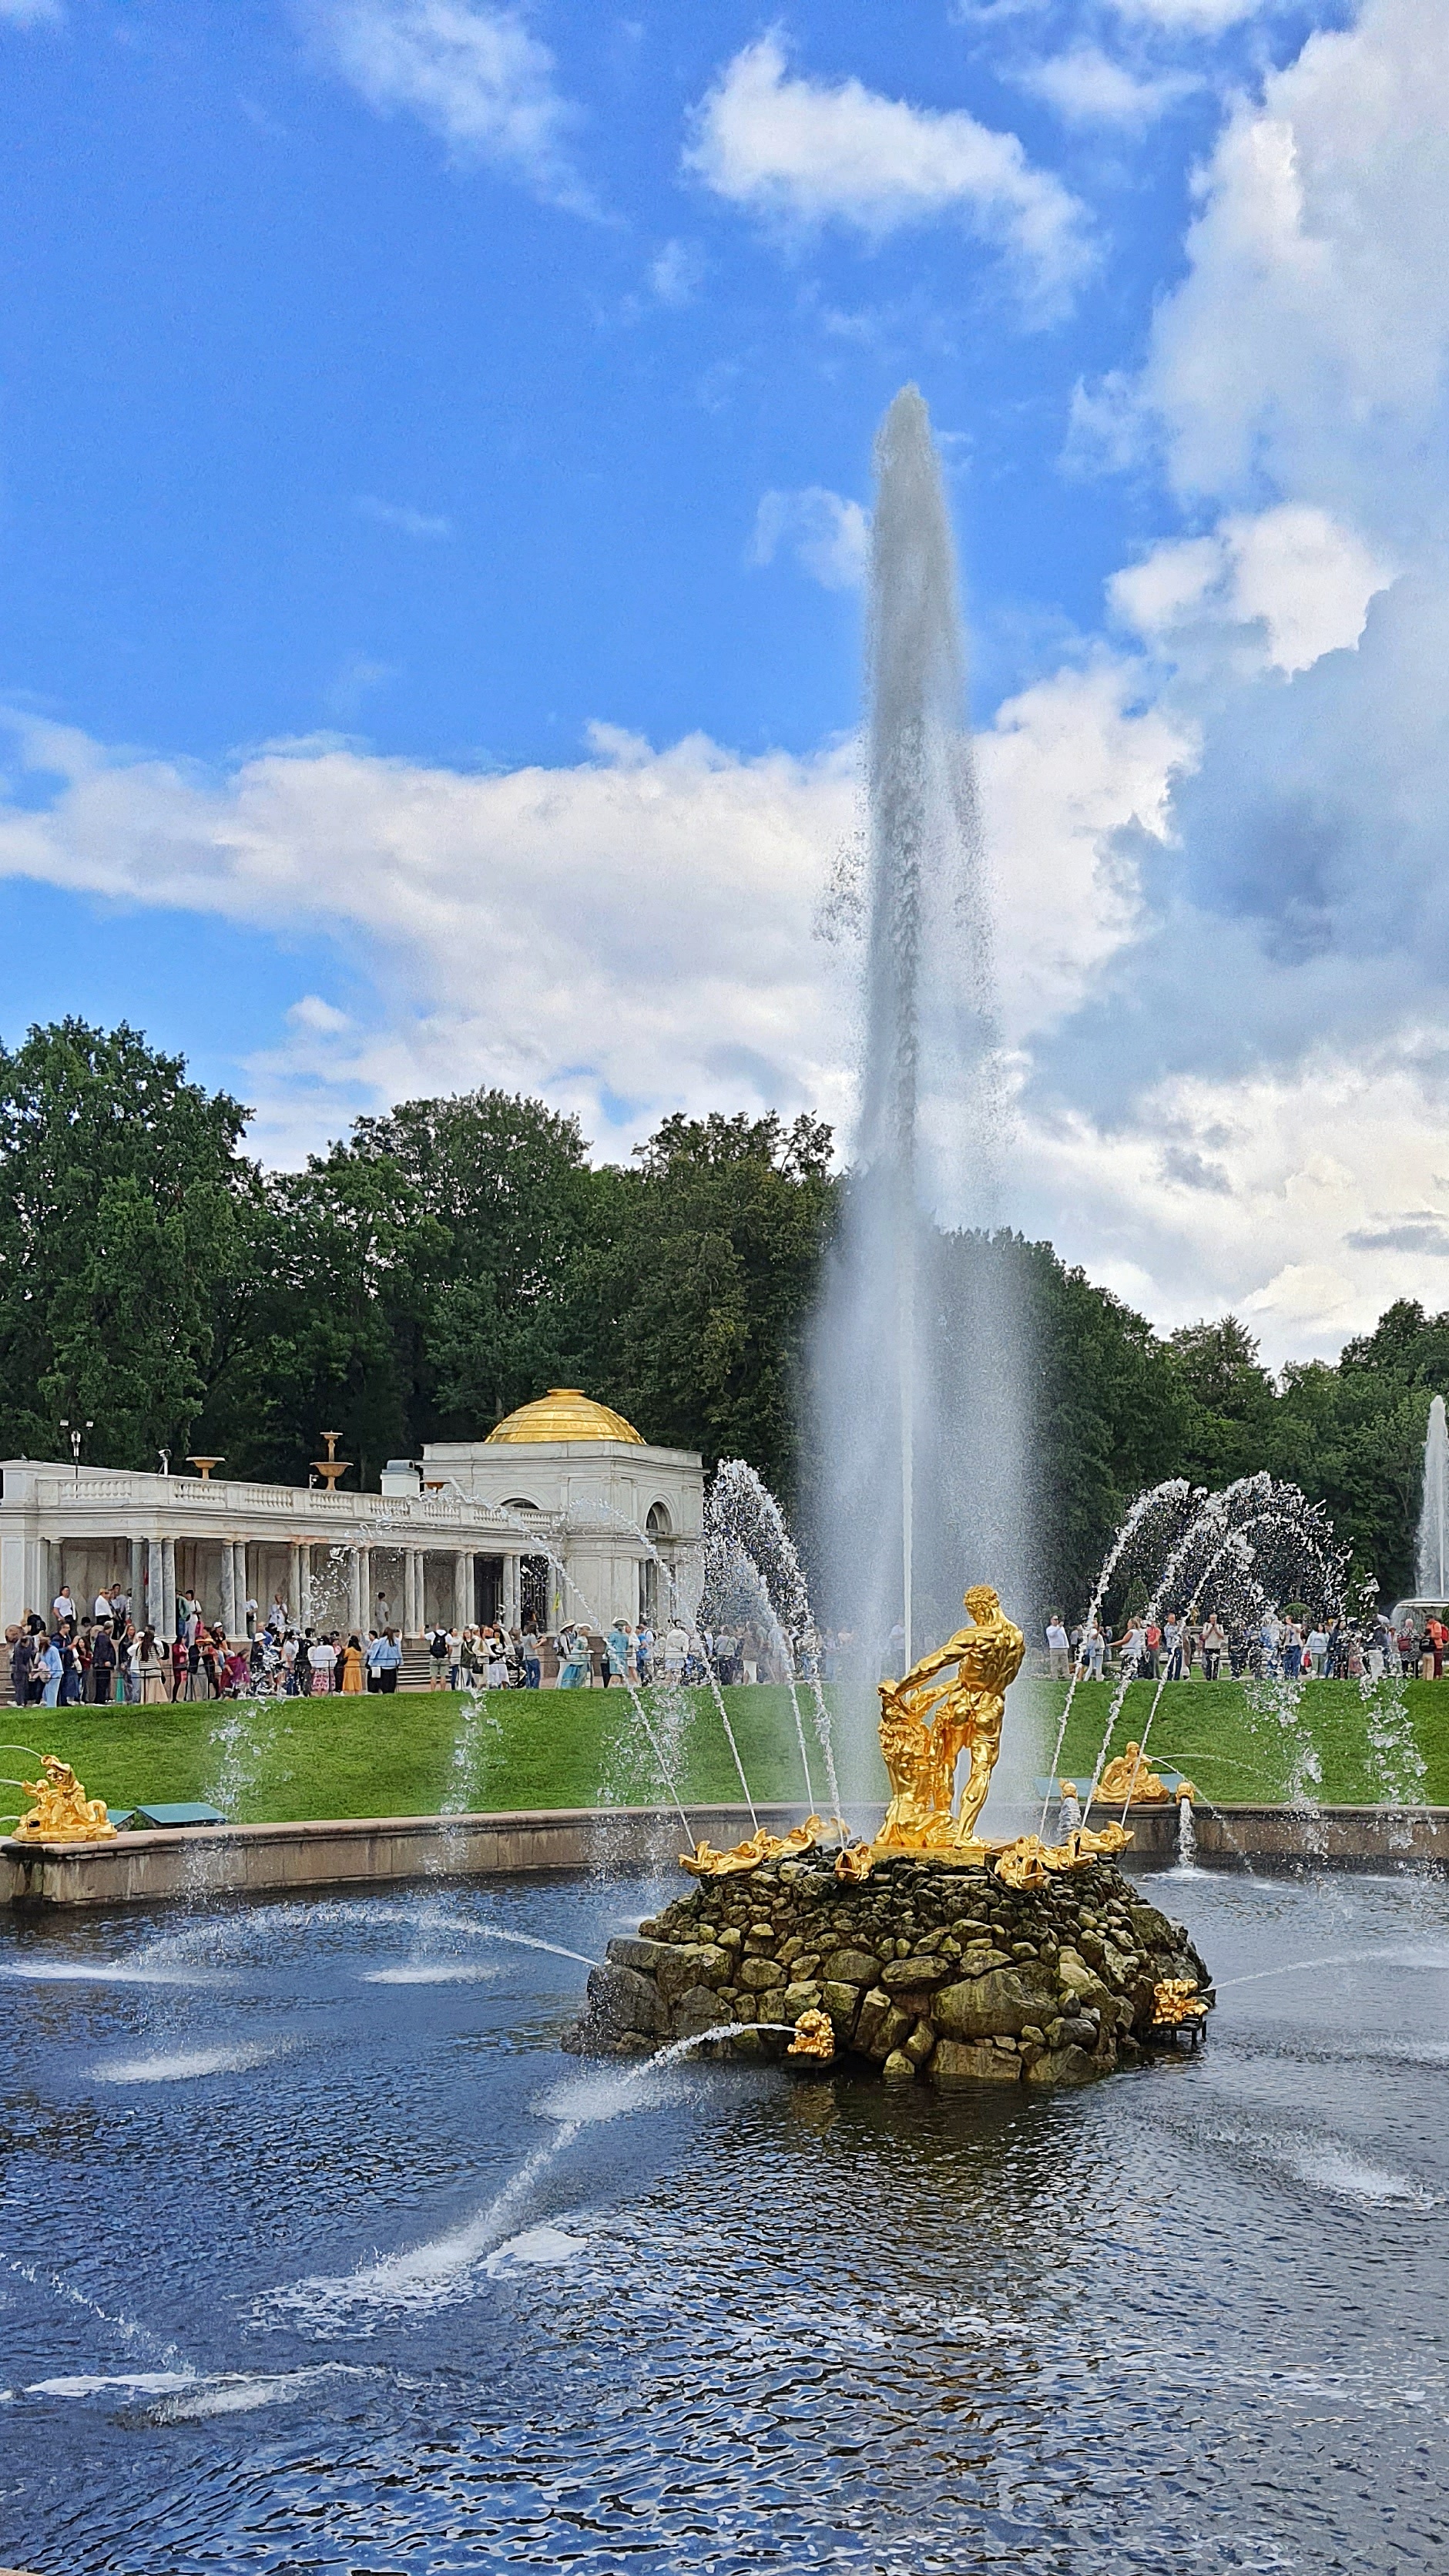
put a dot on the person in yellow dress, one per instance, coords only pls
(352, 1665)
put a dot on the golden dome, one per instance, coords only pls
(565, 1413)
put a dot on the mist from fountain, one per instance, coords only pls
(918, 1358)
(1432, 1571)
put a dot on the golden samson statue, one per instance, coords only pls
(951, 1702)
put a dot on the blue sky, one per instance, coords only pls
(434, 477)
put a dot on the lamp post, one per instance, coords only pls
(77, 1432)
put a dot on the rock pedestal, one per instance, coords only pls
(942, 1976)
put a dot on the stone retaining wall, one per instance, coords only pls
(272, 1859)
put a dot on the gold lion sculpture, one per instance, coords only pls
(951, 1702)
(62, 1812)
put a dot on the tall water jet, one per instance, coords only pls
(920, 1383)
(1433, 1553)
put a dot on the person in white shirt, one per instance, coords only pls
(1059, 1647)
(63, 1607)
(101, 1606)
(676, 1647)
(1214, 1643)
(321, 1658)
(1093, 1651)
(249, 1612)
(1317, 1651)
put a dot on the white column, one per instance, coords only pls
(228, 1588)
(364, 1592)
(136, 1581)
(462, 1589)
(168, 1589)
(155, 1586)
(304, 1586)
(294, 1585)
(238, 1548)
(509, 1590)
(412, 1592)
(354, 1590)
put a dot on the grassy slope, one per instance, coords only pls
(367, 1756)
(1233, 1746)
(370, 1756)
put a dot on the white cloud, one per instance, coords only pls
(635, 928)
(32, 13)
(1069, 767)
(322, 1018)
(1293, 571)
(399, 515)
(474, 73)
(677, 274)
(1307, 344)
(828, 535)
(1195, 17)
(1297, 1240)
(1309, 581)
(811, 152)
(1085, 86)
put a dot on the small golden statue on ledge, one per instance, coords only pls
(62, 1812)
(1129, 1781)
(928, 1721)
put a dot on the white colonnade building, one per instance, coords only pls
(562, 1512)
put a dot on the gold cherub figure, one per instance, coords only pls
(927, 1722)
(62, 1812)
(1129, 1779)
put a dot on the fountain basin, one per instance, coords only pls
(940, 1975)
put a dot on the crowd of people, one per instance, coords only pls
(1292, 1645)
(104, 1655)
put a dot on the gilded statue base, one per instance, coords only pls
(62, 1812)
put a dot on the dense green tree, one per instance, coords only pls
(1228, 1425)
(693, 1299)
(446, 1262)
(120, 1186)
(344, 1261)
(1353, 1436)
(1112, 1417)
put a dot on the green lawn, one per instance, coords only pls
(1227, 1737)
(422, 1751)
(409, 1754)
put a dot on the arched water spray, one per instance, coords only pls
(1173, 1490)
(1221, 1526)
(742, 1513)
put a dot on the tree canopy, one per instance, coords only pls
(444, 1263)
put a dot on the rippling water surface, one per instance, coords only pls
(318, 2255)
